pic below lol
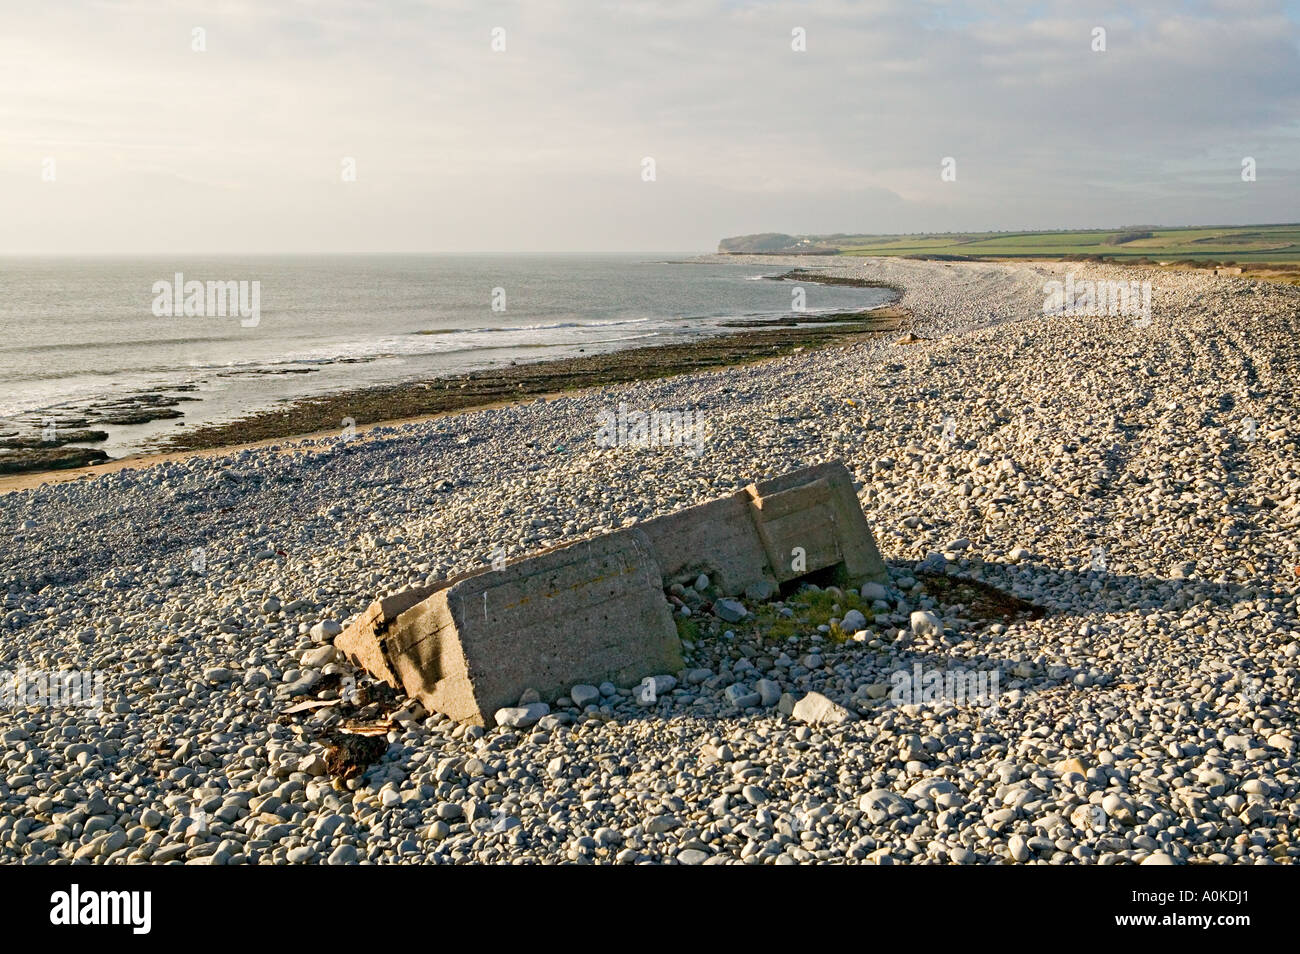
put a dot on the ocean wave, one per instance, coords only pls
(367, 352)
(110, 345)
(540, 327)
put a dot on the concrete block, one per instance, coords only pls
(749, 536)
(588, 612)
(718, 538)
(362, 640)
(816, 509)
(594, 611)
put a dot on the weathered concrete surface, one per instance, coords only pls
(752, 535)
(362, 641)
(588, 612)
(595, 610)
(718, 538)
(817, 510)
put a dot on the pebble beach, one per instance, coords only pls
(1138, 483)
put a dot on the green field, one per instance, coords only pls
(1240, 245)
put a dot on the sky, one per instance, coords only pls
(118, 136)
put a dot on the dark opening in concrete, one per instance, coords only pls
(835, 575)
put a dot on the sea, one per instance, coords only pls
(79, 333)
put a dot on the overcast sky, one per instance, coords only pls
(157, 147)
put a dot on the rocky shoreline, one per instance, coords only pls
(55, 441)
(391, 403)
(1097, 519)
(45, 442)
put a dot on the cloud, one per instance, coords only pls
(459, 148)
